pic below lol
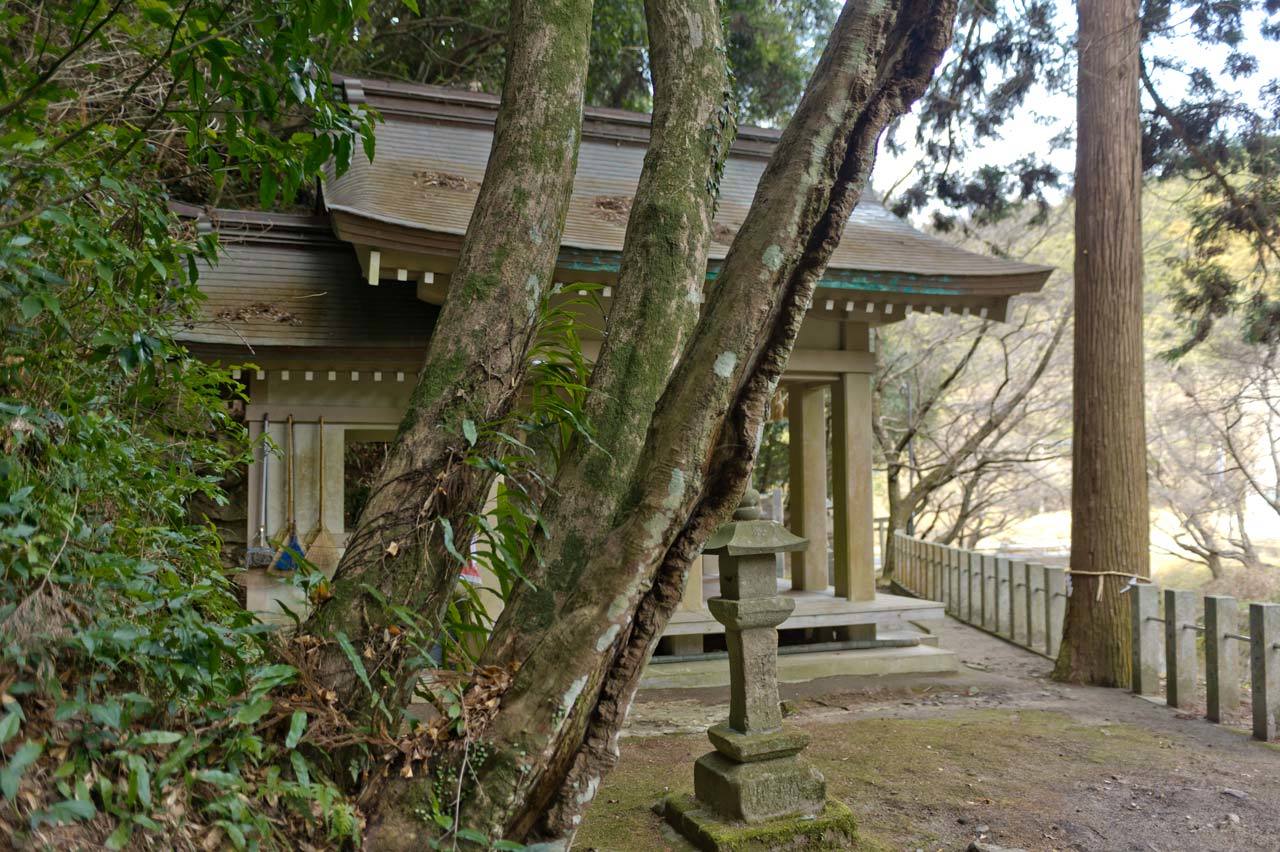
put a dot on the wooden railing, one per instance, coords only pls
(1167, 638)
(1024, 602)
(880, 528)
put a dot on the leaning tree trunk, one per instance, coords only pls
(556, 732)
(397, 556)
(1110, 537)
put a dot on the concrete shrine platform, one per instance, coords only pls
(900, 646)
(815, 609)
(924, 658)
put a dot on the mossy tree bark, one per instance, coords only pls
(656, 304)
(675, 445)
(557, 729)
(474, 363)
(1110, 526)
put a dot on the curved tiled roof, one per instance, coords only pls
(434, 143)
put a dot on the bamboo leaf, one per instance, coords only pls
(354, 659)
(297, 727)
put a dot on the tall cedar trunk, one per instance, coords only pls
(474, 362)
(556, 732)
(1109, 510)
(659, 289)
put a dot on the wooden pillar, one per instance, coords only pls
(692, 598)
(807, 427)
(853, 533)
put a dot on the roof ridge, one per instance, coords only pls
(426, 100)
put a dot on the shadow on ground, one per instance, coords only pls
(996, 752)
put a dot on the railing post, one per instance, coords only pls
(1036, 610)
(991, 602)
(1055, 608)
(899, 542)
(922, 569)
(958, 559)
(966, 612)
(1264, 657)
(984, 592)
(930, 566)
(976, 564)
(951, 580)
(937, 573)
(940, 569)
(1180, 647)
(1144, 615)
(1018, 608)
(913, 578)
(1004, 597)
(917, 586)
(939, 558)
(904, 575)
(931, 551)
(909, 549)
(1222, 679)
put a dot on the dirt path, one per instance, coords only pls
(995, 752)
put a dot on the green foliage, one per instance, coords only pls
(134, 689)
(524, 449)
(1214, 125)
(772, 46)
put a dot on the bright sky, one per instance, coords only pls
(1047, 114)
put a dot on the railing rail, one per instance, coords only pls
(1025, 603)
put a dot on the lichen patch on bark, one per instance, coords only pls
(725, 363)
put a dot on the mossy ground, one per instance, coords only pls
(896, 774)
(1002, 753)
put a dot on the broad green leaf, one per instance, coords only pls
(354, 659)
(251, 713)
(300, 770)
(9, 726)
(66, 811)
(217, 777)
(11, 774)
(446, 529)
(156, 738)
(31, 306)
(268, 188)
(297, 727)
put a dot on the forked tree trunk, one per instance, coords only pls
(655, 306)
(1109, 510)
(555, 734)
(474, 362)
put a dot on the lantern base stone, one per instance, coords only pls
(833, 827)
(758, 791)
(748, 748)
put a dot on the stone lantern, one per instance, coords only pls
(755, 778)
